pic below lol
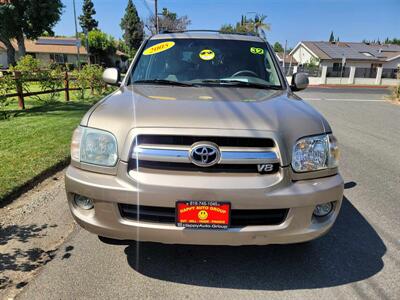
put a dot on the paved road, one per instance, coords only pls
(359, 258)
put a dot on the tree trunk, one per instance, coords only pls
(10, 51)
(21, 44)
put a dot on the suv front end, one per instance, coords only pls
(145, 148)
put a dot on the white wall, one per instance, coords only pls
(337, 80)
(389, 81)
(302, 55)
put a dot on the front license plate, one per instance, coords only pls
(203, 214)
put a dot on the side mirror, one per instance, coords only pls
(111, 76)
(299, 82)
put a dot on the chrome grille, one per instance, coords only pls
(237, 154)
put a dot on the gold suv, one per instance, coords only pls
(204, 142)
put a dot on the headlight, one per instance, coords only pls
(315, 153)
(94, 146)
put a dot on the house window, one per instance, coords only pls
(59, 58)
(337, 67)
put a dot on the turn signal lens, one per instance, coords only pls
(76, 144)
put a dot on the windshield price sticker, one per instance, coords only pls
(158, 48)
(255, 50)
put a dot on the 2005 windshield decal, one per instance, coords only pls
(160, 47)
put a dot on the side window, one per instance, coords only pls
(141, 68)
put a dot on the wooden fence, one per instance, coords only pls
(21, 94)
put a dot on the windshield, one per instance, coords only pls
(206, 61)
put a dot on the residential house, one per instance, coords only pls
(58, 50)
(340, 57)
(289, 59)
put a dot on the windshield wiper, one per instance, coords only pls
(243, 83)
(162, 81)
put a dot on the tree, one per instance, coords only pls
(168, 21)
(260, 26)
(86, 20)
(227, 28)
(254, 26)
(332, 37)
(278, 47)
(132, 27)
(28, 19)
(7, 21)
(101, 45)
(392, 41)
(123, 47)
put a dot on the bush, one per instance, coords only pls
(48, 79)
(396, 89)
(26, 64)
(90, 76)
(7, 85)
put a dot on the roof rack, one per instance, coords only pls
(207, 30)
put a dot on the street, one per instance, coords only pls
(359, 258)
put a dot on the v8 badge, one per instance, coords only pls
(265, 168)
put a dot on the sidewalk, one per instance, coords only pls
(348, 86)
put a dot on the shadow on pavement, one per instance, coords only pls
(350, 252)
(24, 259)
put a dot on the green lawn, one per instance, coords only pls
(34, 141)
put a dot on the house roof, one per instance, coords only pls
(350, 50)
(288, 58)
(50, 45)
(54, 45)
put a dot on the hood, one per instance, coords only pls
(149, 106)
(202, 107)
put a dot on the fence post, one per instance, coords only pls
(323, 74)
(352, 75)
(66, 86)
(18, 87)
(378, 78)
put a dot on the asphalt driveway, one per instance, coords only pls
(359, 258)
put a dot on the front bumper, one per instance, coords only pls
(261, 192)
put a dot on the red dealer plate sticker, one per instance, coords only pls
(203, 214)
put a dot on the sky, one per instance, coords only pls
(290, 20)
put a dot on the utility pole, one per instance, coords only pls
(156, 13)
(77, 38)
(85, 31)
(284, 56)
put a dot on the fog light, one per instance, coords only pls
(83, 202)
(322, 210)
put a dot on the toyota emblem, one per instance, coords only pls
(204, 154)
